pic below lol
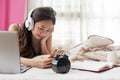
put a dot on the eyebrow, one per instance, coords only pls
(42, 26)
(45, 27)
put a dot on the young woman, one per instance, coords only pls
(35, 37)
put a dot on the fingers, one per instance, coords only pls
(53, 53)
(58, 51)
(52, 30)
(47, 66)
(45, 63)
(48, 62)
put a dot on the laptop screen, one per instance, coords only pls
(9, 52)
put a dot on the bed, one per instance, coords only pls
(98, 51)
(48, 74)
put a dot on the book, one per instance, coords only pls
(93, 66)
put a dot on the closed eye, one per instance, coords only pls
(41, 28)
(48, 30)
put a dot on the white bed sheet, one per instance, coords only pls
(48, 74)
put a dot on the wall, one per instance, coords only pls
(11, 11)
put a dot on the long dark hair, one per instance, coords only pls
(38, 14)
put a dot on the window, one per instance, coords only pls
(77, 19)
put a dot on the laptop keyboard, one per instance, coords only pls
(24, 68)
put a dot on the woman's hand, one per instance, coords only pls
(42, 61)
(49, 34)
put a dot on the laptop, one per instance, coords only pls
(10, 54)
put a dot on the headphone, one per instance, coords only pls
(29, 23)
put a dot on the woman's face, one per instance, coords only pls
(42, 29)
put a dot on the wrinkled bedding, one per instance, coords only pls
(95, 48)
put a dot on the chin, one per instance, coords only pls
(38, 38)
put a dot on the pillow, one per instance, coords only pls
(98, 41)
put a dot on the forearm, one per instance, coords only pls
(39, 61)
(49, 44)
(44, 47)
(26, 61)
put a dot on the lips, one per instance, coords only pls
(39, 36)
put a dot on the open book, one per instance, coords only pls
(93, 66)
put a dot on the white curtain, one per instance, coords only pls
(77, 19)
(101, 17)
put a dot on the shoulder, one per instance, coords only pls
(13, 27)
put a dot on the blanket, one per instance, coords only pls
(96, 48)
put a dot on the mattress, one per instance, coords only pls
(49, 74)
